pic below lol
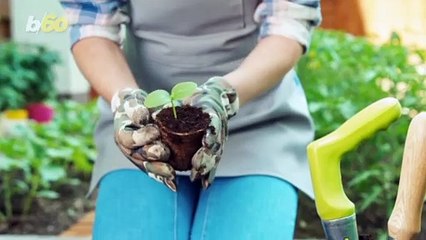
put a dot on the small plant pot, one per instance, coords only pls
(12, 119)
(182, 135)
(16, 114)
(40, 112)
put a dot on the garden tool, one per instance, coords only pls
(336, 211)
(405, 220)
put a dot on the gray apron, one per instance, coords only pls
(192, 40)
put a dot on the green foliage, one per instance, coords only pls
(343, 74)
(157, 98)
(26, 74)
(161, 97)
(35, 162)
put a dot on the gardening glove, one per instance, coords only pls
(139, 138)
(218, 99)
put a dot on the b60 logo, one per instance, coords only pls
(49, 23)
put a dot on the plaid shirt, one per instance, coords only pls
(294, 19)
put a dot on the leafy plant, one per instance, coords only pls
(341, 75)
(161, 97)
(26, 74)
(37, 161)
(42, 87)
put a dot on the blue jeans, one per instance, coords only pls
(132, 206)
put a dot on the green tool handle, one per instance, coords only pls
(325, 154)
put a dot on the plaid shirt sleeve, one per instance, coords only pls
(100, 18)
(294, 19)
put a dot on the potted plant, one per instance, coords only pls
(12, 99)
(27, 70)
(42, 86)
(12, 109)
(12, 118)
(182, 127)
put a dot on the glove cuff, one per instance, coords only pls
(120, 95)
(228, 95)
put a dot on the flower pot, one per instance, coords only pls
(16, 114)
(11, 119)
(182, 135)
(40, 112)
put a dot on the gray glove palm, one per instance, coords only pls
(138, 138)
(217, 98)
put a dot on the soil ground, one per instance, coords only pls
(51, 217)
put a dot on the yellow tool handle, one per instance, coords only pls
(405, 220)
(325, 154)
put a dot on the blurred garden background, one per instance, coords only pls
(364, 51)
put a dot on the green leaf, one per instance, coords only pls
(50, 173)
(8, 164)
(21, 185)
(81, 161)
(157, 98)
(74, 181)
(183, 90)
(5, 163)
(364, 176)
(48, 194)
(59, 153)
(370, 198)
(73, 141)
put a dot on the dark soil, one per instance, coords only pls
(308, 221)
(182, 135)
(51, 217)
(365, 237)
(188, 119)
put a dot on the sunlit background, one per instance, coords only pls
(365, 50)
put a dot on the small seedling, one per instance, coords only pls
(161, 97)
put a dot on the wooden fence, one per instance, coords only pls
(377, 19)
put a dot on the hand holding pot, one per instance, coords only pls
(138, 138)
(218, 99)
